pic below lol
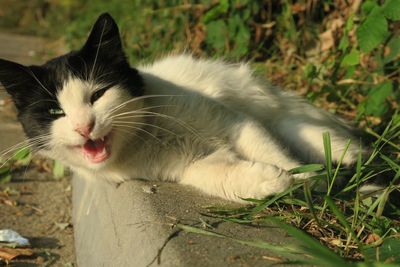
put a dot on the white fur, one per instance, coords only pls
(221, 130)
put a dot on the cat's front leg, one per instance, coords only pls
(225, 175)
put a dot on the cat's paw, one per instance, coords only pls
(265, 180)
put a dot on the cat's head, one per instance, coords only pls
(72, 106)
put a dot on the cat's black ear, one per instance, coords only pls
(20, 81)
(14, 76)
(104, 39)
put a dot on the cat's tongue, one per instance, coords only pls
(96, 150)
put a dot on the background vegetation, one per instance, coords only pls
(342, 55)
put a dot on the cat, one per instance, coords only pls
(204, 123)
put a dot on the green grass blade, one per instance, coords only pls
(322, 256)
(307, 168)
(338, 167)
(272, 200)
(328, 154)
(282, 250)
(342, 219)
(310, 205)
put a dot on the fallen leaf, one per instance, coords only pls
(336, 242)
(326, 39)
(10, 202)
(372, 238)
(62, 226)
(298, 8)
(10, 253)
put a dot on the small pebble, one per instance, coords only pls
(150, 189)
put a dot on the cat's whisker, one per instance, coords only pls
(85, 68)
(139, 129)
(180, 122)
(30, 72)
(137, 99)
(11, 86)
(39, 101)
(21, 145)
(97, 51)
(29, 146)
(99, 77)
(129, 133)
(145, 124)
(138, 110)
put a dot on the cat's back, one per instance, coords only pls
(215, 78)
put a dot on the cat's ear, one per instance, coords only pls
(104, 39)
(20, 81)
(14, 76)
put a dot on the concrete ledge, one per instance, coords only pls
(128, 226)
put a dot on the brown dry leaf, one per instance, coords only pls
(326, 39)
(336, 24)
(298, 8)
(336, 242)
(10, 202)
(315, 232)
(372, 238)
(10, 253)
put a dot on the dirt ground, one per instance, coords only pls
(34, 204)
(39, 208)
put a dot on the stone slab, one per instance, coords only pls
(128, 226)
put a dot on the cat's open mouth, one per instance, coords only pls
(96, 151)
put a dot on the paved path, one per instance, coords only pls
(25, 51)
(38, 207)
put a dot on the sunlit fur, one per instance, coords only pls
(204, 123)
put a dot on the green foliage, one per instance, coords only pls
(366, 66)
(352, 58)
(375, 103)
(391, 9)
(5, 175)
(22, 157)
(373, 31)
(58, 170)
(388, 252)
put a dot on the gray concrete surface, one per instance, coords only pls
(128, 226)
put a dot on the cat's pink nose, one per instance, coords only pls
(85, 129)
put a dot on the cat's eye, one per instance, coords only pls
(98, 94)
(56, 112)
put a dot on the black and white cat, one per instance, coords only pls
(199, 122)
